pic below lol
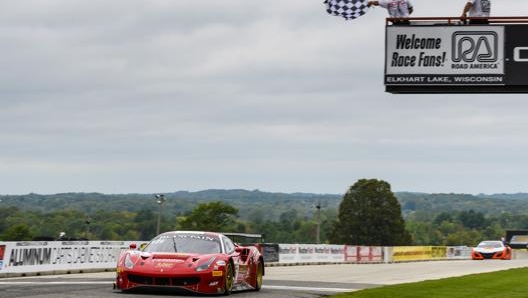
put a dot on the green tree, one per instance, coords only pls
(463, 237)
(422, 232)
(444, 216)
(472, 219)
(18, 232)
(370, 214)
(212, 216)
(145, 221)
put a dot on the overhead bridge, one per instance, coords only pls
(449, 55)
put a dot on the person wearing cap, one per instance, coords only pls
(477, 9)
(396, 9)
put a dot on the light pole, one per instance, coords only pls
(160, 199)
(87, 221)
(318, 227)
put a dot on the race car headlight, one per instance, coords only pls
(205, 265)
(128, 262)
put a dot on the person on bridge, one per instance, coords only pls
(477, 9)
(396, 9)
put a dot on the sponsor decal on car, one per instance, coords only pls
(164, 265)
(217, 273)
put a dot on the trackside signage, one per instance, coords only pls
(48, 256)
(444, 55)
(516, 55)
(59, 257)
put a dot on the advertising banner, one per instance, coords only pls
(517, 55)
(363, 254)
(444, 55)
(270, 252)
(288, 253)
(2, 252)
(42, 256)
(60, 257)
(413, 253)
(311, 253)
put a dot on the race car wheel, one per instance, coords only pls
(229, 279)
(258, 276)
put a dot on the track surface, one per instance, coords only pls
(293, 281)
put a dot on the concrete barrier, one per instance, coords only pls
(60, 257)
(44, 257)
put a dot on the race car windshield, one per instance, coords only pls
(490, 244)
(184, 243)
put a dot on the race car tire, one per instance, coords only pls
(259, 276)
(229, 279)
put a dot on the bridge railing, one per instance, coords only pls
(456, 20)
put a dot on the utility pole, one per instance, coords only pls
(160, 199)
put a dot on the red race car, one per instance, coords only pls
(491, 249)
(189, 261)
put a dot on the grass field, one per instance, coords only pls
(511, 283)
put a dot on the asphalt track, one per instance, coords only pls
(290, 281)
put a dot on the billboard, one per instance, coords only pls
(456, 58)
(517, 61)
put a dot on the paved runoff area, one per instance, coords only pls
(387, 274)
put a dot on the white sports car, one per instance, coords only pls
(491, 249)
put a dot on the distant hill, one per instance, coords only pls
(273, 204)
(250, 201)
(486, 204)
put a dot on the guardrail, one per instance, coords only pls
(64, 257)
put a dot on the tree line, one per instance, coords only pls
(369, 208)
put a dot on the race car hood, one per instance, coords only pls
(163, 262)
(488, 249)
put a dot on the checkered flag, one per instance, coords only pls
(348, 9)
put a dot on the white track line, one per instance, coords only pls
(286, 288)
(12, 283)
(289, 288)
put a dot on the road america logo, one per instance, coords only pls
(475, 50)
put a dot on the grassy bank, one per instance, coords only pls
(511, 283)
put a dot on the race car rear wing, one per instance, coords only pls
(245, 238)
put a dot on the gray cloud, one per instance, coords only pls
(163, 95)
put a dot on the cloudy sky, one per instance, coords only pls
(147, 96)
